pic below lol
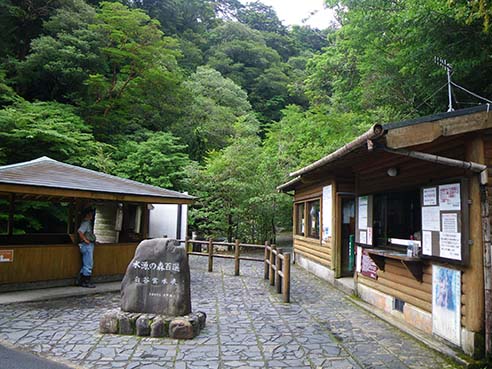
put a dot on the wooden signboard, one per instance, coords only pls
(444, 210)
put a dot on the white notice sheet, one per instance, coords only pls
(430, 218)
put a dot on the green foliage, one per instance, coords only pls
(30, 130)
(260, 17)
(159, 160)
(209, 122)
(138, 57)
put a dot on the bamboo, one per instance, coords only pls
(267, 258)
(272, 264)
(278, 264)
(210, 255)
(236, 257)
(286, 278)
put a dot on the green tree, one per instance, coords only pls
(209, 121)
(158, 160)
(30, 130)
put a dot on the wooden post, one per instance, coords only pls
(286, 279)
(236, 258)
(272, 265)
(278, 264)
(210, 255)
(473, 275)
(10, 224)
(267, 258)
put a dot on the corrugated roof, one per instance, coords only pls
(47, 172)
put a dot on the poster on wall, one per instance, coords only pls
(446, 303)
(327, 212)
(449, 197)
(362, 212)
(368, 267)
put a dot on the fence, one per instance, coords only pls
(278, 271)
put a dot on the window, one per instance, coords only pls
(396, 215)
(308, 219)
(313, 213)
(299, 219)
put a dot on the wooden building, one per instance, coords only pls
(52, 257)
(414, 195)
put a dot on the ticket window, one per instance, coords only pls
(396, 215)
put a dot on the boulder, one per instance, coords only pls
(157, 279)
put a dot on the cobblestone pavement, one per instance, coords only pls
(247, 327)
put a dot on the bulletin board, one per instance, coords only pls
(444, 221)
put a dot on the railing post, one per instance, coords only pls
(210, 255)
(286, 279)
(278, 264)
(272, 265)
(236, 258)
(267, 258)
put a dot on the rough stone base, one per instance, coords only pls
(121, 322)
(318, 270)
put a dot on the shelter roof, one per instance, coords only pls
(394, 135)
(46, 176)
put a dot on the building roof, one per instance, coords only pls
(45, 174)
(398, 135)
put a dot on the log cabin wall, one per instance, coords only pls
(398, 282)
(316, 250)
(46, 263)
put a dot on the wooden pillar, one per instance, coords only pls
(278, 265)
(236, 257)
(473, 281)
(210, 255)
(286, 279)
(145, 221)
(10, 224)
(272, 272)
(186, 246)
(267, 259)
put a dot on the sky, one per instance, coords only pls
(293, 12)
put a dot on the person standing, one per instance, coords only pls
(86, 245)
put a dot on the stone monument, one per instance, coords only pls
(155, 294)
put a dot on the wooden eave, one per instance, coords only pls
(62, 194)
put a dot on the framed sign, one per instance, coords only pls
(6, 256)
(363, 234)
(327, 212)
(446, 303)
(444, 220)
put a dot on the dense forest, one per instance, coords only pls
(219, 98)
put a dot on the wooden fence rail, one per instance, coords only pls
(277, 264)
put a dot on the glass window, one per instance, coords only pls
(299, 215)
(313, 208)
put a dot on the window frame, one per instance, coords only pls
(305, 222)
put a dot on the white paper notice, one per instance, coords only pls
(449, 223)
(449, 197)
(430, 196)
(363, 237)
(450, 245)
(327, 212)
(362, 212)
(426, 242)
(430, 218)
(369, 235)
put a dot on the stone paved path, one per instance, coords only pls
(247, 327)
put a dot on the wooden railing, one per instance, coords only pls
(277, 270)
(277, 263)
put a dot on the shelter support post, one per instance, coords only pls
(210, 255)
(236, 257)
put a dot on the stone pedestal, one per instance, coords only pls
(155, 294)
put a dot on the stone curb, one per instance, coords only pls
(121, 322)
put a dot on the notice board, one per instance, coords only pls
(364, 207)
(444, 214)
